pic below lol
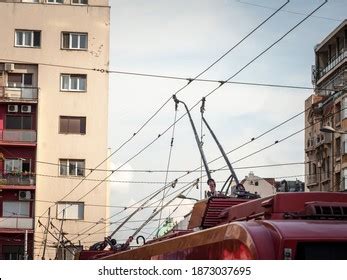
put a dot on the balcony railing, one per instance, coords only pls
(16, 223)
(17, 179)
(333, 62)
(19, 93)
(14, 135)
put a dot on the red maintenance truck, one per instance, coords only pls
(235, 224)
(282, 226)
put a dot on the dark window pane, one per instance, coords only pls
(83, 126)
(74, 125)
(66, 40)
(37, 38)
(26, 167)
(19, 41)
(72, 168)
(80, 168)
(64, 125)
(74, 41)
(83, 41)
(74, 81)
(28, 79)
(63, 167)
(27, 123)
(13, 122)
(14, 78)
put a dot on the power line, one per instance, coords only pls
(286, 11)
(214, 90)
(165, 182)
(214, 81)
(178, 91)
(180, 189)
(248, 64)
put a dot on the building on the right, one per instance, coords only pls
(326, 152)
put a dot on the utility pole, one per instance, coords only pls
(46, 234)
(26, 245)
(61, 238)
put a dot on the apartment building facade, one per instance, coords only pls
(325, 152)
(53, 126)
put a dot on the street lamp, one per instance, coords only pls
(329, 129)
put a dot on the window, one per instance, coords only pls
(18, 122)
(13, 252)
(80, 2)
(72, 125)
(16, 209)
(55, 1)
(344, 109)
(17, 165)
(70, 210)
(28, 38)
(343, 144)
(344, 179)
(16, 80)
(74, 41)
(71, 82)
(71, 167)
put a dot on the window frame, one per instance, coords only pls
(54, 2)
(13, 214)
(21, 116)
(67, 167)
(59, 213)
(82, 130)
(22, 84)
(78, 83)
(32, 41)
(79, 34)
(344, 179)
(79, 2)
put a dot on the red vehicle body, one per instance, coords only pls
(282, 226)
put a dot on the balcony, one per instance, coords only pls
(18, 94)
(16, 223)
(13, 136)
(332, 63)
(312, 179)
(17, 179)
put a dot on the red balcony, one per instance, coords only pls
(18, 137)
(21, 179)
(17, 223)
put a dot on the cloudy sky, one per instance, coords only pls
(182, 38)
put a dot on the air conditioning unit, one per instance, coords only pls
(12, 108)
(24, 195)
(9, 67)
(26, 108)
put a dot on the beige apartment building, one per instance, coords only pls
(325, 152)
(53, 126)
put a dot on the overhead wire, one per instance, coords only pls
(214, 90)
(286, 11)
(178, 91)
(283, 139)
(87, 193)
